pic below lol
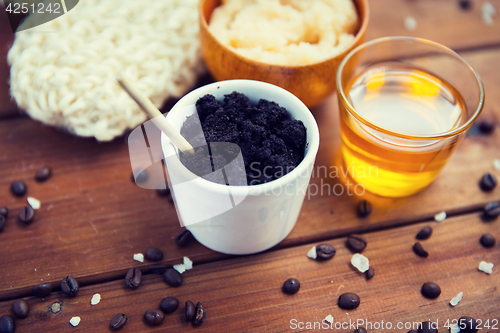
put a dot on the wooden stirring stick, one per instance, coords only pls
(154, 114)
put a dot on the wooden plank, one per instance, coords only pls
(442, 21)
(93, 218)
(244, 294)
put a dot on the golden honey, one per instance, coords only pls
(412, 103)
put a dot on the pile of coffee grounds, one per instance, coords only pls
(271, 142)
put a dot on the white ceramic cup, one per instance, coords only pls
(261, 215)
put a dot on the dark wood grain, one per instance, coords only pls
(93, 218)
(244, 294)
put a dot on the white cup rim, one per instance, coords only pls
(306, 117)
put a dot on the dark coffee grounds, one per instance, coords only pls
(272, 144)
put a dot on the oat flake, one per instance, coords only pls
(486, 267)
(180, 268)
(312, 253)
(360, 262)
(329, 319)
(455, 300)
(74, 321)
(454, 328)
(34, 203)
(95, 299)
(188, 264)
(496, 164)
(440, 217)
(139, 257)
(410, 23)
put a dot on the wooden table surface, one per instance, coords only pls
(93, 219)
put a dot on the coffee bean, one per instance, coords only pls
(69, 286)
(18, 188)
(153, 254)
(190, 311)
(348, 301)
(169, 304)
(486, 126)
(43, 174)
(464, 4)
(430, 290)
(26, 215)
(7, 324)
(199, 316)
(487, 240)
(2, 222)
(158, 269)
(488, 182)
(491, 211)
(324, 251)
(184, 237)
(370, 273)
(4, 211)
(425, 233)
(356, 243)
(172, 277)
(291, 286)
(360, 330)
(364, 208)
(419, 250)
(163, 192)
(20, 308)
(118, 321)
(154, 317)
(427, 327)
(133, 278)
(467, 324)
(42, 290)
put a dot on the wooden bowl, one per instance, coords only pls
(311, 83)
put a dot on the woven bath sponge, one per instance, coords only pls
(63, 71)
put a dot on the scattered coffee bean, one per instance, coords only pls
(118, 321)
(356, 243)
(324, 251)
(184, 237)
(425, 233)
(153, 254)
(169, 304)
(360, 330)
(430, 290)
(464, 4)
(154, 317)
(291, 286)
(467, 324)
(491, 211)
(18, 188)
(370, 273)
(43, 174)
(4, 211)
(419, 250)
(133, 278)
(2, 222)
(7, 324)
(199, 316)
(158, 269)
(348, 301)
(487, 240)
(364, 208)
(486, 126)
(20, 308)
(26, 215)
(488, 182)
(172, 277)
(42, 290)
(69, 286)
(190, 311)
(427, 327)
(163, 192)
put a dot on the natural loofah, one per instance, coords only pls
(63, 72)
